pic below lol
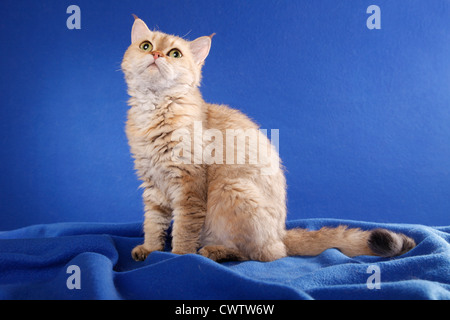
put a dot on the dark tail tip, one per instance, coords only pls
(386, 243)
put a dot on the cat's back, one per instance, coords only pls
(248, 181)
(223, 117)
(246, 150)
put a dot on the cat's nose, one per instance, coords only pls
(157, 54)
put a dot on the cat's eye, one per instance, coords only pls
(175, 53)
(146, 46)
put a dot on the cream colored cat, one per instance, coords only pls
(220, 209)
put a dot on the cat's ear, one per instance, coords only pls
(139, 30)
(200, 48)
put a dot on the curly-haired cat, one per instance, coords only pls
(220, 209)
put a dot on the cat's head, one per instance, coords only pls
(158, 62)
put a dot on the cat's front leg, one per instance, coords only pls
(189, 216)
(156, 223)
(187, 226)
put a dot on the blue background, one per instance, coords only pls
(364, 115)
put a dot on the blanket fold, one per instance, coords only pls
(93, 261)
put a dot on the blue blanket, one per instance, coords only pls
(92, 261)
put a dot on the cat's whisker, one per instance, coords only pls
(187, 34)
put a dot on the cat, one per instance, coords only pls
(221, 210)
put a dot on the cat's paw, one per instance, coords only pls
(208, 252)
(220, 253)
(140, 253)
(184, 248)
(182, 251)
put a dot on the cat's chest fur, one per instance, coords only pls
(152, 132)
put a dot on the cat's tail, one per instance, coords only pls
(352, 242)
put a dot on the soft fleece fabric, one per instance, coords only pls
(34, 262)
